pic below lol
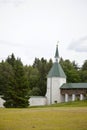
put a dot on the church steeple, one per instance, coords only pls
(57, 54)
(56, 70)
(55, 79)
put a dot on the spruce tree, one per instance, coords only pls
(16, 94)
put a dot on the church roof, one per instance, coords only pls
(73, 85)
(56, 71)
(57, 53)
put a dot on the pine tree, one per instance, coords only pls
(16, 94)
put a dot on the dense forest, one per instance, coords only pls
(19, 82)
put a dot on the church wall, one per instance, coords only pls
(53, 90)
(37, 101)
(56, 95)
(48, 93)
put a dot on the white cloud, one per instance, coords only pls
(79, 45)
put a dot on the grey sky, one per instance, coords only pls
(80, 45)
(31, 28)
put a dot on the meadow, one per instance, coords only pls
(44, 118)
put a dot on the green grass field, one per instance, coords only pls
(44, 118)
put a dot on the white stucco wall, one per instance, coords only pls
(33, 101)
(53, 89)
(1, 102)
(37, 101)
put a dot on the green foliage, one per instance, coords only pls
(71, 71)
(6, 76)
(83, 75)
(43, 67)
(11, 60)
(84, 66)
(83, 72)
(35, 91)
(16, 92)
(36, 75)
(18, 82)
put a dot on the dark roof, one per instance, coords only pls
(73, 85)
(57, 53)
(56, 71)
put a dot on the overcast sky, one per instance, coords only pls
(31, 28)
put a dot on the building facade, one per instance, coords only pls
(57, 88)
(55, 79)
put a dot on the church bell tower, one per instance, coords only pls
(55, 78)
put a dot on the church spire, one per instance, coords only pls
(57, 53)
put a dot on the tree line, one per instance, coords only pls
(19, 82)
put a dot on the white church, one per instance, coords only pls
(57, 89)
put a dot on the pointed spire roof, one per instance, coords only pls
(57, 53)
(56, 70)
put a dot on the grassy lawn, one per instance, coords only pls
(49, 118)
(68, 104)
(71, 104)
